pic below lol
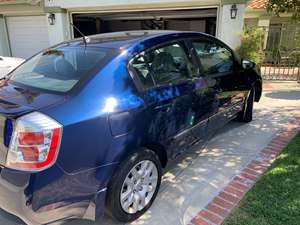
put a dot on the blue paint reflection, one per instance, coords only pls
(121, 103)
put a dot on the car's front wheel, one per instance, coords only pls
(134, 186)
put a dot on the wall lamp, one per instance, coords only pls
(233, 11)
(51, 18)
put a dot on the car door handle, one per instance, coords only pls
(165, 107)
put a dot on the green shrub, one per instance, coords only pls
(252, 40)
(297, 40)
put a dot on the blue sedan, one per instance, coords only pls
(88, 125)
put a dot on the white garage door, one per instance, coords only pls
(27, 35)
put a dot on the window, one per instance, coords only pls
(214, 58)
(164, 65)
(142, 69)
(60, 69)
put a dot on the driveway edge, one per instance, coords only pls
(223, 204)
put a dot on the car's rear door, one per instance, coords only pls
(166, 73)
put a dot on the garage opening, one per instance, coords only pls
(201, 20)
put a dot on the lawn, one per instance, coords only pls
(275, 199)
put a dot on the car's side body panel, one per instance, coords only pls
(110, 117)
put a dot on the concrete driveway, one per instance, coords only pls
(199, 175)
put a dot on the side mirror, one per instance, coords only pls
(247, 64)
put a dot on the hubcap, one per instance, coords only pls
(139, 187)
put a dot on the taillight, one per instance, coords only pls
(35, 143)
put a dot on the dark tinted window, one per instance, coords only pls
(164, 65)
(142, 69)
(60, 69)
(215, 59)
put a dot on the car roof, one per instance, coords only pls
(126, 39)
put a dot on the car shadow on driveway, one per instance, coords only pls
(8, 219)
(284, 95)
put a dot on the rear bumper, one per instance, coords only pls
(36, 199)
(14, 202)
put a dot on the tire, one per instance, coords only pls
(246, 114)
(130, 170)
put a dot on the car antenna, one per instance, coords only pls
(84, 38)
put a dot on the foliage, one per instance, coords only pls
(296, 53)
(284, 6)
(297, 41)
(252, 40)
(275, 199)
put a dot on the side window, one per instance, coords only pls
(164, 65)
(142, 69)
(215, 59)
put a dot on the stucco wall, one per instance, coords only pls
(60, 31)
(230, 29)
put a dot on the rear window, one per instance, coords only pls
(60, 69)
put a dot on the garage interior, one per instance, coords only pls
(201, 20)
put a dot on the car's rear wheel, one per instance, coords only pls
(134, 186)
(246, 115)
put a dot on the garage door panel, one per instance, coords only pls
(27, 35)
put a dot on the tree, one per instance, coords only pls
(252, 40)
(284, 6)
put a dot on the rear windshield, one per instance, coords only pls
(60, 69)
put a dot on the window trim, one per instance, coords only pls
(136, 78)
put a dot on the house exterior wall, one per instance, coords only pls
(262, 19)
(230, 29)
(60, 31)
(227, 29)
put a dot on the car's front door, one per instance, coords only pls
(218, 64)
(166, 74)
